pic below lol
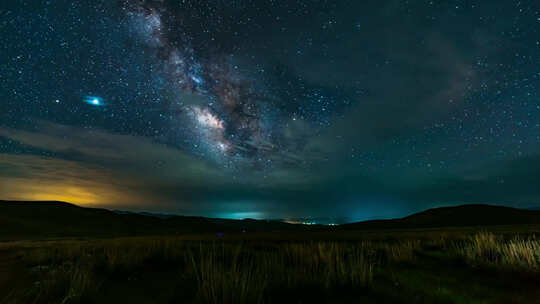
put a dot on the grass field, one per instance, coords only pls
(428, 266)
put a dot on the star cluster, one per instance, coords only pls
(222, 110)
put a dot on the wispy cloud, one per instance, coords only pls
(94, 167)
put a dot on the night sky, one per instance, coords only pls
(347, 110)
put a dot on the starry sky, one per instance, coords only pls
(344, 110)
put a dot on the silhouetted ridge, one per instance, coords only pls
(60, 219)
(457, 216)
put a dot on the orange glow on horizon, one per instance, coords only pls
(69, 194)
(25, 190)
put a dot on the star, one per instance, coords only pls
(94, 101)
(222, 146)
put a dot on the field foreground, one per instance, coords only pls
(433, 266)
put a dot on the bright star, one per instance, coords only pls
(197, 80)
(222, 146)
(93, 100)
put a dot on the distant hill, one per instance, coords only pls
(59, 219)
(38, 220)
(458, 216)
(158, 215)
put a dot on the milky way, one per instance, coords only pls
(222, 106)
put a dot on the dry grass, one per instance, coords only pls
(488, 249)
(246, 272)
(403, 251)
(330, 263)
(224, 277)
(237, 274)
(223, 272)
(60, 284)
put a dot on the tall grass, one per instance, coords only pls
(248, 272)
(64, 284)
(223, 272)
(330, 264)
(224, 277)
(238, 274)
(488, 249)
(403, 251)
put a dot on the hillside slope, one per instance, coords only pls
(37, 220)
(457, 216)
(59, 219)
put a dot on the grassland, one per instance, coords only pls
(426, 266)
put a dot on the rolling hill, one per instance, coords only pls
(457, 216)
(37, 220)
(59, 219)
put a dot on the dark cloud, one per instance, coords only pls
(117, 170)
